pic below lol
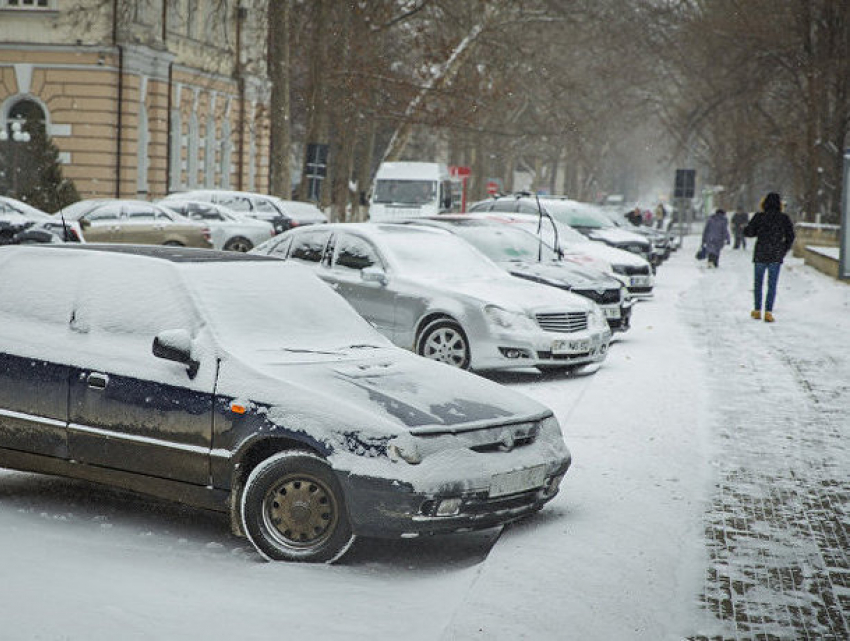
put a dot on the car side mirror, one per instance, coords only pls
(373, 275)
(176, 345)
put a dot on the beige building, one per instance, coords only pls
(142, 97)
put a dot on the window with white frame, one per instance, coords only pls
(209, 152)
(194, 149)
(176, 150)
(27, 4)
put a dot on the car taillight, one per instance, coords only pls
(293, 223)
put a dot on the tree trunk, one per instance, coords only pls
(280, 179)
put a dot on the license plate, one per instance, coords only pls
(611, 312)
(640, 281)
(570, 347)
(517, 481)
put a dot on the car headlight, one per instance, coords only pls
(407, 452)
(619, 269)
(596, 318)
(504, 319)
(550, 424)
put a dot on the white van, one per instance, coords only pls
(410, 190)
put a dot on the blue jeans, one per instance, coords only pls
(772, 276)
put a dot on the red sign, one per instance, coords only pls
(459, 172)
(492, 188)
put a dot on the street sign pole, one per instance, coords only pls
(683, 192)
(844, 232)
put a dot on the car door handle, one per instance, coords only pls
(96, 380)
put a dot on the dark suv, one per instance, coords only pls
(242, 384)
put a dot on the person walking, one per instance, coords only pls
(774, 234)
(739, 221)
(715, 234)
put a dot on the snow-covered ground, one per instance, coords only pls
(695, 395)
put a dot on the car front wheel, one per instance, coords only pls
(443, 340)
(293, 509)
(238, 244)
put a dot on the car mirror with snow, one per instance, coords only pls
(373, 275)
(176, 345)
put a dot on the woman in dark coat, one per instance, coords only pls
(774, 234)
(715, 235)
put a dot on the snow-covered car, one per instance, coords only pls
(525, 255)
(242, 384)
(632, 270)
(229, 231)
(429, 291)
(583, 217)
(662, 244)
(282, 214)
(21, 223)
(136, 222)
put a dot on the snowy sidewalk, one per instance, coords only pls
(778, 530)
(738, 425)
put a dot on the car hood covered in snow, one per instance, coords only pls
(559, 273)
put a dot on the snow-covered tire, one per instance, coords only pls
(238, 244)
(444, 340)
(293, 509)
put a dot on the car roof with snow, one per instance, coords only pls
(172, 254)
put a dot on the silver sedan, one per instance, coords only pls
(429, 291)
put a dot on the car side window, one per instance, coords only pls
(102, 214)
(508, 205)
(528, 208)
(265, 206)
(140, 212)
(163, 216)
(355, 253)
(309, 248)
(236, 203)
(487, 205)
(280, 248)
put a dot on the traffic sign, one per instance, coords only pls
(685, 183)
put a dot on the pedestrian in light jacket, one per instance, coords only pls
(774, 234)
(715, 235)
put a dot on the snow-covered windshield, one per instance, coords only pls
(432, 255)
(276, 305)
(405, 192)
(578, 217)
(503, 243)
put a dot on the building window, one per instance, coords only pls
(226, 158)
(26, 4)
(192, 157)
(176, 150)
(142, 142)
(209, 152)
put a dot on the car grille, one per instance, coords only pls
(640, 290)
(498, 438)
(631, 270)
(563, 323)
(603, 298)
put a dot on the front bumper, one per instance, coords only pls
(514, 350)
(392, 508)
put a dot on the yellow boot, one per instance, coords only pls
(768, 317)
(756, 313)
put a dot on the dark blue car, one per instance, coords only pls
(245, 385)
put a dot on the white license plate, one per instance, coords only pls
(640, 281)
(517, 481)
(611, 312)
(570, 347)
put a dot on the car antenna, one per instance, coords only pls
(65, 233)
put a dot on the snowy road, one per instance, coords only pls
(708, 499)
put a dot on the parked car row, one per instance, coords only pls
(304, 410)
